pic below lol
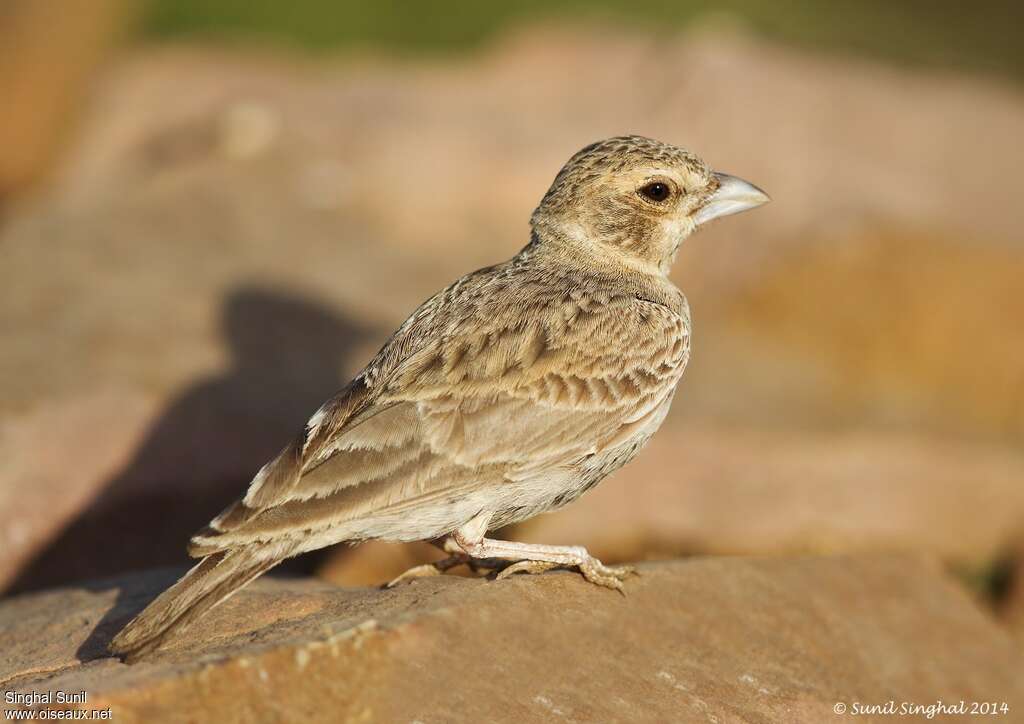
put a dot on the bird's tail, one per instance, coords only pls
(208, 583)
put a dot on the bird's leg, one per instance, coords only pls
(449, 545)
(456, 557)
(536, 558)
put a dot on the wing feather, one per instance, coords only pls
(466, 393)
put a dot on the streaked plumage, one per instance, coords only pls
(508, 394)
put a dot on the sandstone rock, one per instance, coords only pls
(236, 233)
(56, 459)
(1011, 608)
(47, 61)
(694, 640)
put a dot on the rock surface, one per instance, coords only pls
(756, 640)
(1011, 610)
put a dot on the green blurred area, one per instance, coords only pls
(984, 35)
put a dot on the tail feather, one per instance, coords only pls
(208, 583)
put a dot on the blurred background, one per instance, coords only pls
(213, 212)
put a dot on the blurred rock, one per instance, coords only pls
(235, 234)
(49, 53)
(713, 639)
(1011, 608)
(898, 330)
(55, 461)
(248, 130)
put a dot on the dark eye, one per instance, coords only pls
(656, 191)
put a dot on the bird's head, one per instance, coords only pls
(637, 199)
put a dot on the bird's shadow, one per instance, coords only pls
(287, 355)
(134, 593)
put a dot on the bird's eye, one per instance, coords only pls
(656, 191)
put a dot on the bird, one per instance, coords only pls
(508, 394)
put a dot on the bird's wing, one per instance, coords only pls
(463, 394)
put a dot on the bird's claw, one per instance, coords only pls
(428, 570)
(608, 576)
(591, 568)
(525, 567)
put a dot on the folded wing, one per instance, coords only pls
(494, 399)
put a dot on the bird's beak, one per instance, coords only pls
(733, 196)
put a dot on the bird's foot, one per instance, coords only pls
(428, 570)
(457, 556)
(535, 558)
(592, 569)
(608, 576)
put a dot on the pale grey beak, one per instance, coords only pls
(733, 196)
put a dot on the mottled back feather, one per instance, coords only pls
(524, 368)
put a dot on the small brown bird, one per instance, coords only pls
(508, 394)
